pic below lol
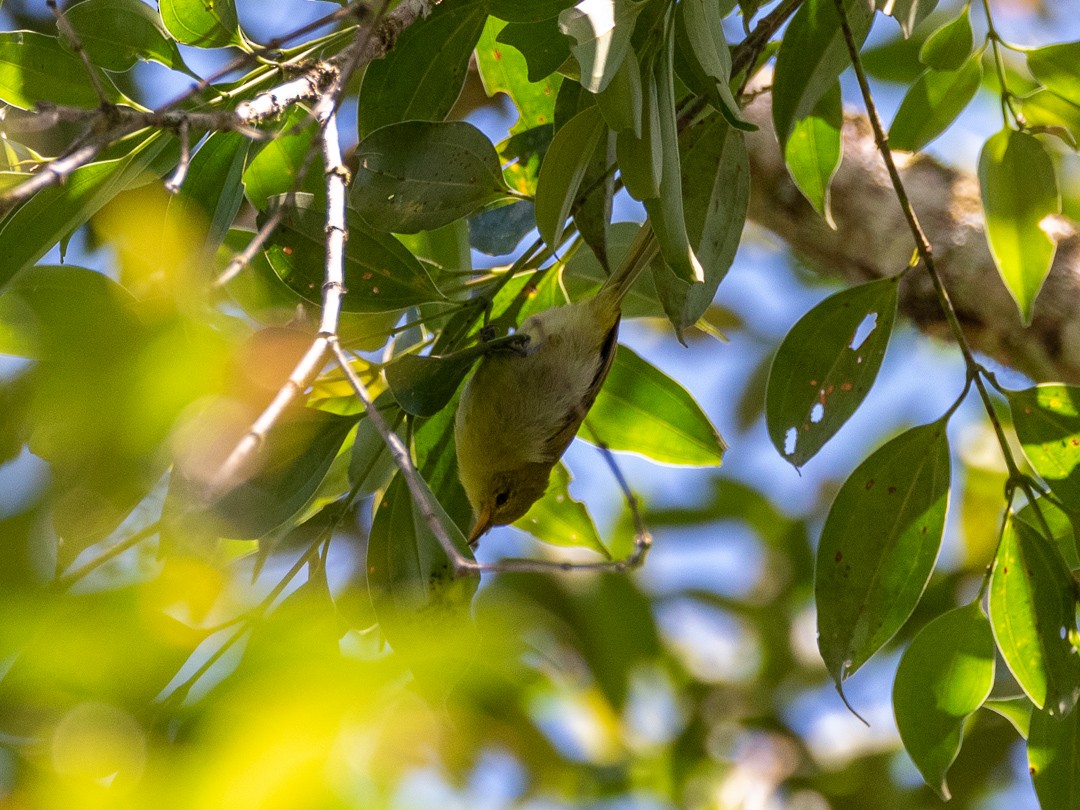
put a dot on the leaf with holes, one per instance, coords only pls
(1019, 193)
(421, 175)
(1047, 422)
(879, 546)
(944, 675)
(503, 69)
(1033, 613)
(825, 367)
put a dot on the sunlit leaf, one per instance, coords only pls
(949, 46)
(1033, 613)
(420, 175)
(35, 68)
(1058, 68)
(504, 70)
(811, 58)
(117, 33)
(943, 677)
(601, 32)
(202, 24)
(933, 102)
(642, 410)
(1019, 191)
(1047, 110)
(1054, 759)
(1047, 422)
(826, 366)
(422, 75)
(542, 44)
(1017, 711)
(527, 10)
(812, 151)
(559, 519)
(879, 546)
(275, 168)
(909, 13)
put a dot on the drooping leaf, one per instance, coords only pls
(948, 47)
(1019, 190)
(202, 24)
(422, 75)
(1033, 613)
(621, 101)
(117, 33)
(812, 151)
(36, 68)
(716, 193)
(642, 410)
(879, 545)
(702, 58)
(640, 152)
(601, 32)
(559, 519)
(1047, 422)
(811, 58)
(527, 10)
(944, 676)
(933, 102)
(563, 169)
(380, 273)
(370, 462)
(826, 365)
(504, 70)
(1058, 68)
(1054, 759)
(421, 175)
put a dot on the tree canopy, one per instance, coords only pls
(249, 253)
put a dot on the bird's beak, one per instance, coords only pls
(481, 527)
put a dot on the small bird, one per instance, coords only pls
(520, 410)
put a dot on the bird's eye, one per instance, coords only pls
(502, 497)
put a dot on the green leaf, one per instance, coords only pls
(293, 461)
(879, 545)
(948, 47)
(1059, 522)
(55, 212)
(370, 462)
(498, 231)
(559, 519)
(826, 365)
(601, 32)
(1019, 190)
(640, 151)
(621, 101)
(380, 273)
(1016, 710)
(424, 385)
(421, 175)
(1032, 610)
(812, 152)
(811, 58)
(642, 410)
(201, 23)
(702, 58)
(563, 169)
(527, 10)
(274, 169)
(1058, 68)
(716, 193)
(909, 13)
(422, 75)
(933, 102)
(35, 68)
(1046, 110)
(1047, 422)
(1054, 759)
(504, 70)
(944, 676)
(117, 33)
(542, 44)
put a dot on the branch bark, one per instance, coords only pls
(872, 240)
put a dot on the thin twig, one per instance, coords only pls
(74, 575)
(176, 179)
(68, 33)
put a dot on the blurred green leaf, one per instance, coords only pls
(202, 24)
(380, 273)
(933, 102)
(1047, 110)
(1017, 711)
(117, 33)
(1047, 422)
(370, 462)
(36, 68)
(948, 47)
(1019, 191)
(826, 366)
(1054, 759)
(505, 70)
(420, 175)
(422, 75)
(909, 13)
(944, 676)
(1033, 613)
(811, 58)
(642, 410)
(563, 169)
(879, 545)
(812, 152)
(1058, 68)
(560, 520)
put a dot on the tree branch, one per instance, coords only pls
(872, 240)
